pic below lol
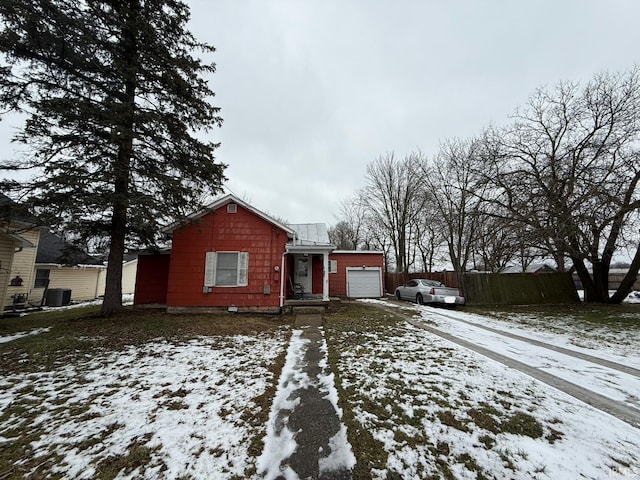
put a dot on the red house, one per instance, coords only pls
(232, 256)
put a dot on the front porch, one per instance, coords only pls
(306, 272)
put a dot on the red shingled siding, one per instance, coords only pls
(221, 231)
(338, 281)
(151, 279)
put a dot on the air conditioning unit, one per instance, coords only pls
(58, 297)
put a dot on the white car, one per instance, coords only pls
(424, 291)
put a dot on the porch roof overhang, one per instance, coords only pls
(310, 248)
(18, 241)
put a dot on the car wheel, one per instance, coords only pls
(398, 295)
(419, 299)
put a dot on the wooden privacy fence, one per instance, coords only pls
(500, 288)
(519, 288)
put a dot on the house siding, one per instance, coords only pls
(151, 279)
(338, 280)
(22, 266)
(129, 271)
(6, 257)
(221, 231)
(82, 281)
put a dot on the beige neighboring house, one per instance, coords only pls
(57, 267)
(18, 245)
(129, 272)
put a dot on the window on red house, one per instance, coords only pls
(226, 269)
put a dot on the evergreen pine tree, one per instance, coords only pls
(113, 97)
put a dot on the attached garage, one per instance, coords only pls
(364, 283)
(356, 274)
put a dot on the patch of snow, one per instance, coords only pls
(183, 402)
(616, 385)
(341, 456)
(15, 336)
(446, 404)
(279, 443)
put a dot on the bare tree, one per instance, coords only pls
(427, 236)
(392, 197)
(351, 229)
(341, 235)
(452, 180)
(568, 168)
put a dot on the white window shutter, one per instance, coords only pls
(243, 267)
(210, 269)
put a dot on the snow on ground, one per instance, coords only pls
(436, 406)
(280, 442)
(613, 384)
(15, 336)
(183, 404)
(127, 299)
(433, 407)
(607, 341)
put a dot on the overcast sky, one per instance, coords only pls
(311, 91)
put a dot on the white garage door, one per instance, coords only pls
(364, 283)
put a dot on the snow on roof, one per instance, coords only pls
(311, 233)
(532, 268)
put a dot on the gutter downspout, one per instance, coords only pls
(282, 279)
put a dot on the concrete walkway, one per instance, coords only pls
(313, 419)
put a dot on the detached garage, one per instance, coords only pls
(356, 274)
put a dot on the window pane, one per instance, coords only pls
(42, 278)
(227, 269)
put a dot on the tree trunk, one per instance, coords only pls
(590, 291)
(629, 279)
(112, 302)
(601, 281)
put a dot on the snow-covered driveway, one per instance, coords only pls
(441, 409)
(608, 381)
(610, 376)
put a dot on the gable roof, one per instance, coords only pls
(221, 202)
(536, 267)
(12, 212)
(52, 249)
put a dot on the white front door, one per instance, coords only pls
(302, 271)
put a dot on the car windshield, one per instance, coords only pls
(430, 283)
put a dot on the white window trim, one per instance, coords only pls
(333, 266)
(210, 270)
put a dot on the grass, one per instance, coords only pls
(350, 329)
(358, 329)
(75, 335)
(624, 316)
(369, 380)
